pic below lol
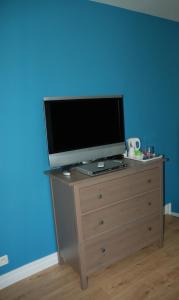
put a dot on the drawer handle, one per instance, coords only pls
(149, 180)
(103, 250)
(149, 203)
(99, 196)
(150, 228)
(101, 222)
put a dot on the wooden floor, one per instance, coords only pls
(151, 273)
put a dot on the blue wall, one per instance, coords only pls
(68, 48)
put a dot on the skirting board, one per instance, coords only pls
(168, 210)
(28, 270)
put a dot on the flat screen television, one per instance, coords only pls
(83, 128)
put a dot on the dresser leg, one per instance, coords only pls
(61, 260)
(84, 282)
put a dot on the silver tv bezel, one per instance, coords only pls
(78, 156)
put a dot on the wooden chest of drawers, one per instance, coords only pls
(102, 219)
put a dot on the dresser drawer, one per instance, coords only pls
(120, 214)
(105, 193)
(103, 251)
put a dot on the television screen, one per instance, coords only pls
(85, 125)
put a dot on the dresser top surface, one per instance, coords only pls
(77, 178)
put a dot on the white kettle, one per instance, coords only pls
(133, 144)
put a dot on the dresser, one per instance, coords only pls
(102, 219)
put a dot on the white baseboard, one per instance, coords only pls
(28, 270)
(175, 214)
(168, 209)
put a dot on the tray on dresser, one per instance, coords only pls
(146, 160)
